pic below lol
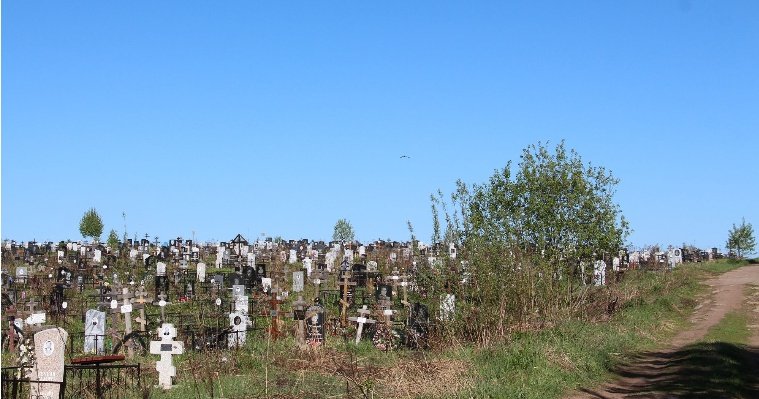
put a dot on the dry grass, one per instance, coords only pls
(407, 377)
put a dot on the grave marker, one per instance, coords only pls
(361, 320)
(315, 325)
(166, 347)
(200, 272)
(49, 350)
(298, 281)
(94, 331)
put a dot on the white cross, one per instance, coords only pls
(361, 320)
(166, 347)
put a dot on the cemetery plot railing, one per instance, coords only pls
(15, 387)
(76, 343)
(104, 380)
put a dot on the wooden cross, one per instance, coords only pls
(387, 315)
(404, 284)
(299, 309)
(31, 304)
(126, 309)
(274, 303)
(344, 300)
(166, 347)
(317, 282)
(361, 320)
(394, 279)
(140, 304)
(11, 313)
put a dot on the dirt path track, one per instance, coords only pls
(689, 370)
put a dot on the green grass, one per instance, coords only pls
(719, 266)
(546, 364)
(733, 329)
(541, 364)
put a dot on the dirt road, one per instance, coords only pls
(689, 370)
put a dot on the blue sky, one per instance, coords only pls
(245, 117)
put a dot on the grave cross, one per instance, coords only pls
(11, 314)
(31, 305)
(394, 280)
(299, 312)
(126, 309)
(274, 303)
(404, 284)
(344, 300)
(361, 320)
(141, 300)
(114, 305)
(166, 347)
(317, 284)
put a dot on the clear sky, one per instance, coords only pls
(226, 117)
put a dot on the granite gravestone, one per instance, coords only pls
(49, 350)
(94, 331)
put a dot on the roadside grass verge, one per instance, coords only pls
(548, 363)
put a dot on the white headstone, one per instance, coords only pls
(133, 254)
(251, 259)
(94, 331)
(266, 283)
(238, 290)
(36, 319)
(49, 350)
(349, 255)
(599, 273)
(97, 256)
(615, 264)
(307, 264)
(201, 272)
(160, 269)
(219, 256)
(371, 266)
(447, 307)
(238, 321)
(241, 304)
(298, 281)
(293, 257)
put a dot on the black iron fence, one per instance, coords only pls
(99, 381)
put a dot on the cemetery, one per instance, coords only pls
(523, 292)
(144, 319)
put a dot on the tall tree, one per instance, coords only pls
(91, 225)
(343, 231)
(741, 239)
(113, 240)
(527, 228)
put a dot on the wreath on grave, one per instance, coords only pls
(385, 338)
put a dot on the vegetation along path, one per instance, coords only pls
(692, 367)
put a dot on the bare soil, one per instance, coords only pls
(688, 369)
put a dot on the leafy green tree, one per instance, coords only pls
(523, 234)
(343, 231)
(91, 225)
(741, 239)
(113, 240)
